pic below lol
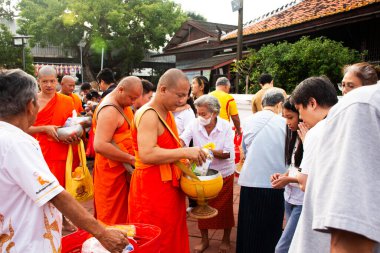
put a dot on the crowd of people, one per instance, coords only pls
(307, 155)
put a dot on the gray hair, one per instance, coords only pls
(272, 97)
(17, 89)
(223, 81)
(208, 101)
(46, 71)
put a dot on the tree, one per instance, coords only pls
(7, 9)
(290, 63)
(10, 55)
(195, 16)
(124, 29)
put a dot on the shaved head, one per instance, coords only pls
(68, 79)
(130, 82)
(128, 91)
(47, 71)
(171, 77)
(68, 85)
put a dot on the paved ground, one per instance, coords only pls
(192, 224)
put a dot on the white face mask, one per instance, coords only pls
(203, 121)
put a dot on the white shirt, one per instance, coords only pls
(183, 119)
(343, 190)
(31, 223)
(310, 142)
(223, 137)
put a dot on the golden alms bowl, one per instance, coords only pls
(207, 188)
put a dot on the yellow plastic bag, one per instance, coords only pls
(79, 182)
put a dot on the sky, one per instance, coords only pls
(220, 11)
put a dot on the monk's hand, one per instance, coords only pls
(113, 240)
(51, 131)
(71, 140)
(131, 160)
(197, 155)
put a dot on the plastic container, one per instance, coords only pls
(147, 240)
(72, 243)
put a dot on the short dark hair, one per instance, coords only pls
(85, 86)
(106, 75)
(147, 86)
(92, 94)
(17, 89)
(265, 78)
(320, 88)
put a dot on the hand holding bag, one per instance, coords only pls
(79, 182)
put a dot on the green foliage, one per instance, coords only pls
(290, 63)
(7, 9)
(10, 55)
(125, 29)
(195, 16)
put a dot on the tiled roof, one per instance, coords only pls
(212, 62)
(302, 12)
(212, 28)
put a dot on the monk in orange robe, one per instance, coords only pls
(54, 109)
(67, 88)
(155, 196)
(114, 151)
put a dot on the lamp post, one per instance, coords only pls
(81, 44)
(21, 40)
(237, 5)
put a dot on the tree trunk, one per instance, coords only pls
(88, 75)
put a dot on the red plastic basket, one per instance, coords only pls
(72, 243)
(147, 239)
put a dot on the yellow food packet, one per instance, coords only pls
(209, 145)
(128, 230)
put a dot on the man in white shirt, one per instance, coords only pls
(29, 193)
(313, 98)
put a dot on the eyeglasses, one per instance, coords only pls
(348, 86)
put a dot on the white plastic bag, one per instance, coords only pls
(92, 245)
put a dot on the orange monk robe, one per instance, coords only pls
(155, 197)
(77, 103)
(111, 180)
(56, 112)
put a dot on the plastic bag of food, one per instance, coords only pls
(65, 132)
(203, 169)
(92, 245)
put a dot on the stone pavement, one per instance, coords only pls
(215, 236)
(192, 224)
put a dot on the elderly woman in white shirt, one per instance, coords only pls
(208, 127)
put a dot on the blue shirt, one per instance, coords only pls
(264, 147)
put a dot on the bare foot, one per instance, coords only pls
(201, 247)
(225, 247)
(67, 226)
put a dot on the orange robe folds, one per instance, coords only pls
(111, 180)
(156, 198)
(77, 103)
(56, 112)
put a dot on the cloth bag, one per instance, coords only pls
(79, 182)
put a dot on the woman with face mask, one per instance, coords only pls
(206, 128)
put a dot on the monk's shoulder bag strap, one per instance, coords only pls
(117, 108)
